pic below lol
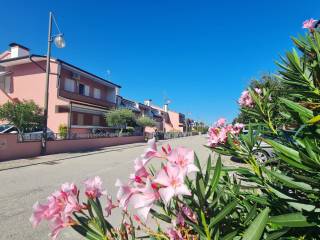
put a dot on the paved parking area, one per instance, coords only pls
(23, 182)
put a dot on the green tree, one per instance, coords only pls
(120, 118)
(146, 122)
(24, 115)
(275, 89)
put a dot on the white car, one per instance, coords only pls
(32, 135)
(263, 151)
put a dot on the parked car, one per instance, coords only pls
(33, 134)
(262, 151)
(6, 128)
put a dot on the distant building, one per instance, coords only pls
(169, 120)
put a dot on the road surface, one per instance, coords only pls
(25, 181)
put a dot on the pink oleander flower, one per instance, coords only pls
(72, 205)
(143, 200)
(258, 91)
(109, 205)
(40, 212)
(58, 209)
(171, 179)
(151, 151)
(179, 221)
(125, 192)
(309, 24)
(69, 187)
(189, 213)
(245, 100)
(59, 223)
(140, 171)
(93, 187)
(213, 138)
(137, 219)
(219, 135)
(236, 129)
(184, 158)
(174, 234)
(221, 122)
(166, 150)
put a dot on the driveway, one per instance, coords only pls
(23, 182)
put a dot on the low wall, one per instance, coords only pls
(88, 144)
(10, 148)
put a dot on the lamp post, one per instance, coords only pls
(60, 43)
(187, 121)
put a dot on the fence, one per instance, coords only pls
(74, 136)
(11, 147)
(170, 135)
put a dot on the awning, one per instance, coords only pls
(87, 109)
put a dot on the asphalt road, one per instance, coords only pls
(25, 181)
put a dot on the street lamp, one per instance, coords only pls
(60, 43)
(187, 121)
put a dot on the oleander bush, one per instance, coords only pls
(173, 195)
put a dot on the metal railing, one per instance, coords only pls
(75, 136)
(170, 135)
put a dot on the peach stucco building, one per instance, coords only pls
(167, 120)
(77, 98)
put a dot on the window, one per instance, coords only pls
(84, 90)
(5, 83)
(95, 120)
(80, 119)
(69, 85)
(97, 93)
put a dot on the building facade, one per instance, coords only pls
(168, 120)
(77, 98)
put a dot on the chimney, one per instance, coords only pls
(148, 102)
(165, 107)
(18, 50)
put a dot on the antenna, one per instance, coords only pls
(165, 97)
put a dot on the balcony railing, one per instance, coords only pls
(86, 99)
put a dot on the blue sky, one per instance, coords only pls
(200, 54)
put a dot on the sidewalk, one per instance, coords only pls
(54, 158)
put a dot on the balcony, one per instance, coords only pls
(182, 118)
(86, 99)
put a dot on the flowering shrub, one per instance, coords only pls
(64, 209)
(289, 187)
(218, 133)
(189, 200)
(182, 194)
(309, 24)
(246, 100)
